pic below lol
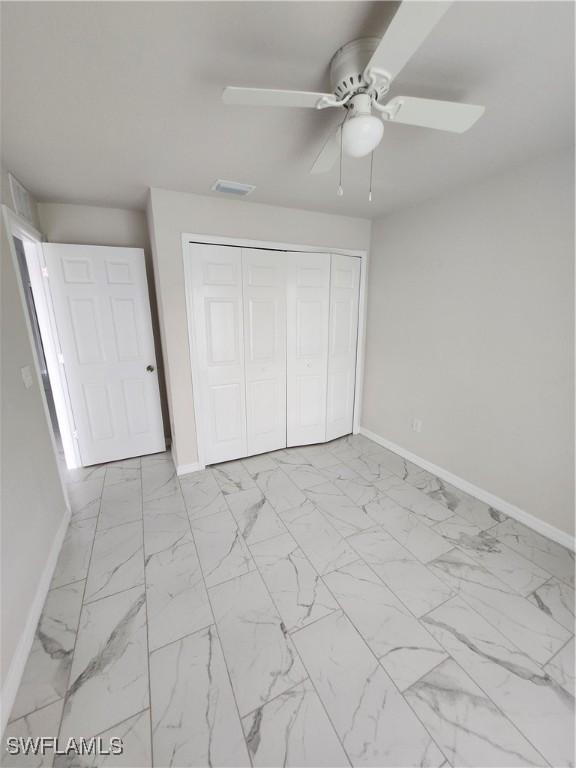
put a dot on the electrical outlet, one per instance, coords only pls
(26, 373)
(417, 425)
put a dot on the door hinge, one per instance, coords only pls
(60, 358)
(75, 434)
(44, 271)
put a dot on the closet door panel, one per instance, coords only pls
(343, 340)
(308, 279)
(219, 340)
(264, 281)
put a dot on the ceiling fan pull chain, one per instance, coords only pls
(340, 189)
(371, 166)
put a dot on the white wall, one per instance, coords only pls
(170, 214)
(93, 225)
(470, 328)
(34, 508)
(97, 225)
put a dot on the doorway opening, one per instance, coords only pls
(37, 339)
(29, 263)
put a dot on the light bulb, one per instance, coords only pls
(361, 135)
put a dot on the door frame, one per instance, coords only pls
(18, 227)
(190, 238)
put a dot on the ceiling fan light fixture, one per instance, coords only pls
(361, 135)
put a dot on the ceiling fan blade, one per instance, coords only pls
(410, 26)
(329, 152)
(269, 97)
(431, 113)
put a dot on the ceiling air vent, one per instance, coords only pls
(232, 188)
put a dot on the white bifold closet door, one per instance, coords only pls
(239, 325)
(264, 298)
(274, 337)
(308, 310)
(216, 284)
(342, 344)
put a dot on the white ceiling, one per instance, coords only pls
(102, 100)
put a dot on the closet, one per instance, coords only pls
(274, 338)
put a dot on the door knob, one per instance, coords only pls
(150, 368)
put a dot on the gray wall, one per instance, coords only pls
(33, 502)
(97, 225)
(170, 214)
(470, 328)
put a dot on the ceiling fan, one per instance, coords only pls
(361, 73)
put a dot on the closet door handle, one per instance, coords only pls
(149, 368)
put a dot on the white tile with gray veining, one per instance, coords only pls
(352, 446)
(416, 586)
(466, 724)
(296, 588)
(221, 547)
(454, 499)
(428, 510)
(371, 468)
(202, 494)
(320, 541)
(406, 650)
(293, 730)
(109, 676)
(527, 695)
(232, 477)
(516, 571)
(136, 747)
(293, 456)
(159, 478)
(255, 516)
(165, 522)
(260, 463)
(549, 555)
(375, 724)
(280, 491)
(519, 620)
(117, 561)
(557, 600)
(194, 715)
(45, 677)
(346, 517)
(325, 605)
(407, 528)
(259, 653)
(85, 495)
(561, 667)
(41, 722)
(176, 597)
(350, 483)
(319, 457)
(121, 498)
(304, 476)
(74, 557)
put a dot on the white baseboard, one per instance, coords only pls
(185, 469)
(16, 670)
(550, 531)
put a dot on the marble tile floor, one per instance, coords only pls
(328, 605)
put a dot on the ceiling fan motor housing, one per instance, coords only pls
(348, 64)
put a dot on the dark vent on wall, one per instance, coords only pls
(232, 188)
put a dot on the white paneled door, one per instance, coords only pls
(342, 343)
(218, 330)
(102, 314)
(264, 300)
(308, 299)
